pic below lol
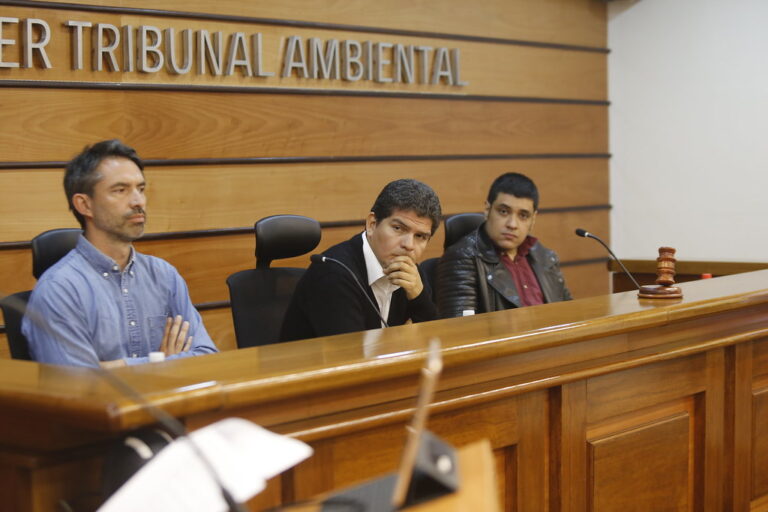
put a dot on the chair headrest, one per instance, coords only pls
(284, 236)
(457, 226)
(50, 246)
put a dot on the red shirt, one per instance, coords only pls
(525, 280)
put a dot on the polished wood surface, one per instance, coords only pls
(644, 271)
(234, 152)
(245, 193)
(578, 22)
(566, 393)
(487, 70)
(158, 125)
(477, 485)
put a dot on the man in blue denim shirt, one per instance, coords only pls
(104, 303)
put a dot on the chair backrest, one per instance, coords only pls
(47, 248)
(14, 306)
(260, 297)
(459, 225)
(50, 246)
(456, 226)
(284, 236)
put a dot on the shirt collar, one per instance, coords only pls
(525, 247)
(98, 260)
(372, 265)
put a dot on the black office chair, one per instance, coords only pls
(47, 248)
(456, 227)
(260, 296)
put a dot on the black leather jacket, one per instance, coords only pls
(458, 286)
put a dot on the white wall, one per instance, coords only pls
(688, 84)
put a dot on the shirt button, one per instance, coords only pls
(132, 323)
(525, 286)
(133, 355)
(115, 268)
(105, 274)
(125, 290)
(131, 272)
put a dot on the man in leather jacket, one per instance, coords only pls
(499, 265)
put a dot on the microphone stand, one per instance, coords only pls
(587, 234)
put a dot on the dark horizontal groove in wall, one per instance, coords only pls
(301, 24)
(178, 162)
(209, 233)
(205, 306)
(130, 86)
(590, 261)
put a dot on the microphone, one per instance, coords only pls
(586, 234)
(319, 258)
(169, 422)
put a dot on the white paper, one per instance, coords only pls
(242, 454)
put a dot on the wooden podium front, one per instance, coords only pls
(607, 403)
(477, 490)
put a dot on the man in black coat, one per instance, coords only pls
(327, 300)
(500, 265)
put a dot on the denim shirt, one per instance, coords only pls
(94, 312)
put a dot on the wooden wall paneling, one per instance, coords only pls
(656, 455)
(531, 472)
(648, 406)
(16, 271)
(507, 476)
(577, 22)
(572, 448)
(223, 125)
(219, 324)
(606, 400)
(714, 430)
(756, 465)
(741, 430)
(487, 69)
(759, 455)
(586, 280)
(181, 198)
(5, 351)
(367, 453)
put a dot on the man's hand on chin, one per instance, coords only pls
(403, 272)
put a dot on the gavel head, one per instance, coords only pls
(665, 266)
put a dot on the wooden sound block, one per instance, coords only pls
(656, 291)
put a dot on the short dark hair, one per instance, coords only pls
(408, 195)
(515, 184)
(80, 175)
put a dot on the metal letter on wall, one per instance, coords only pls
(145, 49)
(441, 67)
(6, 42)
(294, 58)
(324, 64)
(258, 58)
(209, 52)
(100, 50)
(76, 43)
(238, 55)
(170, 51)
(351, 53)
(31, 46)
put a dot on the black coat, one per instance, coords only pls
(327, 301)
(471, 276)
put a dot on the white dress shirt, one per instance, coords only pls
(382, 288)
